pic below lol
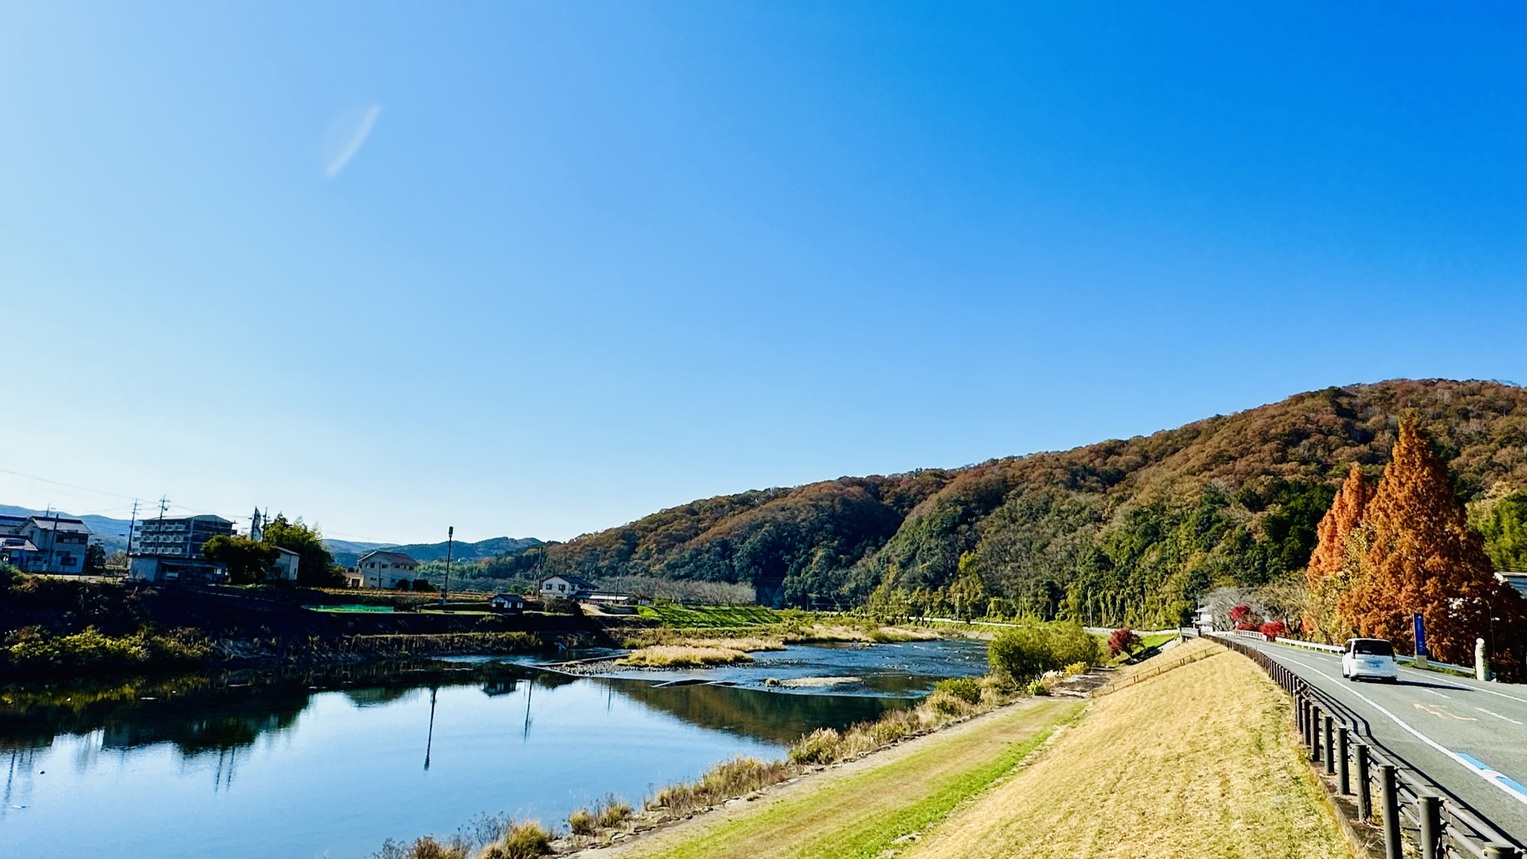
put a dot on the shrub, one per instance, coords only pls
(525, 840)
(1122, 641)
(581, 822)
(967, 689)
(1274, 629)
(1076, 668)
(425, 586)
(428, 848)
(949, 705)
(818, 747)
(1024, 653)
(1037, 687)
(612, 812)
(731, 778)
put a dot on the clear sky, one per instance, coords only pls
(537, 269)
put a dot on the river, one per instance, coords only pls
(330, 763)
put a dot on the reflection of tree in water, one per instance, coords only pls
(210, 714)
(754, 713)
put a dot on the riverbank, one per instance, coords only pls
(1197, 761)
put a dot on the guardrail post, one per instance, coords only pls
(1429, 813)
(1343, 758)
(1314, 734)
(1330, 746)
(1389, 804)
(1501, 851)
(1364, 797)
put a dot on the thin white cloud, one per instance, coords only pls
(347, 135)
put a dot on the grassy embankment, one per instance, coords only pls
(1199, 761)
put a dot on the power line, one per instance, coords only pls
(67, 485)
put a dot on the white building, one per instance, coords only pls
(384, 569)
(60, 544)
(567, 587)
(169, 549)
(285, 569)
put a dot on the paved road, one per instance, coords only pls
(1468, 737)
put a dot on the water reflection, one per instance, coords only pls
(344, 758)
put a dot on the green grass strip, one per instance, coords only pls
(866, 837)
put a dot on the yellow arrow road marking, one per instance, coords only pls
(1441, 712)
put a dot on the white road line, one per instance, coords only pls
(1431, 677)
(1435, 692)
(1498, 716)
(1422, 737)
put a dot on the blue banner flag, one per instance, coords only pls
(1420, 626)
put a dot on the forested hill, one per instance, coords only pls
(1121, 532)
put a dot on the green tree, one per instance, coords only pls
(315, 566)
(967, 592)
(246, 560)
(1505, 531)
(95, 558)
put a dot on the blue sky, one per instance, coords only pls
(539, 269)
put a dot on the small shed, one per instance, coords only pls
(507, 603)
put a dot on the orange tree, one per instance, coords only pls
(1330, 568)
(1420, 557)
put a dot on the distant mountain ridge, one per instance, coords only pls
(1122, 532)
(346, 553)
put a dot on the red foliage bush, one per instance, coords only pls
(1122, 641)
(1240, 614)
(1274, 629)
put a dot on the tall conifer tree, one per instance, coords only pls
(1330, 568)
(1420, 557)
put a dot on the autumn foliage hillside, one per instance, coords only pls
(1124, 532)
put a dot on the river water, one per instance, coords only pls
(330, 763)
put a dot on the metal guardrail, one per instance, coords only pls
(1412, 809)
(1463, 670)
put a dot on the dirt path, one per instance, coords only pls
(859, 809)
(1199, 761)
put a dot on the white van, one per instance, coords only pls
(1368, 658)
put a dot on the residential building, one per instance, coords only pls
(10, 526)
(507, 603)
(285, 569)
(567, 587)
(169, 549)
(384, 569)
(60, 544)
(1515, 580)
(14, 550)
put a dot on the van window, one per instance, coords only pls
(1372, 647)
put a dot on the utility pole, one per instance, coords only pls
(131, 527)
(450, 538)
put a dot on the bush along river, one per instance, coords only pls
(330, 763)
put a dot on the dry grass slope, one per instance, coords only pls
(1200, 761)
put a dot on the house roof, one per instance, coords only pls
(576, 581)
(60, 523)
(199, 517)
(384, 555)
(15, 543)
(507, 597)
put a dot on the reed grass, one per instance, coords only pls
(682, 656)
